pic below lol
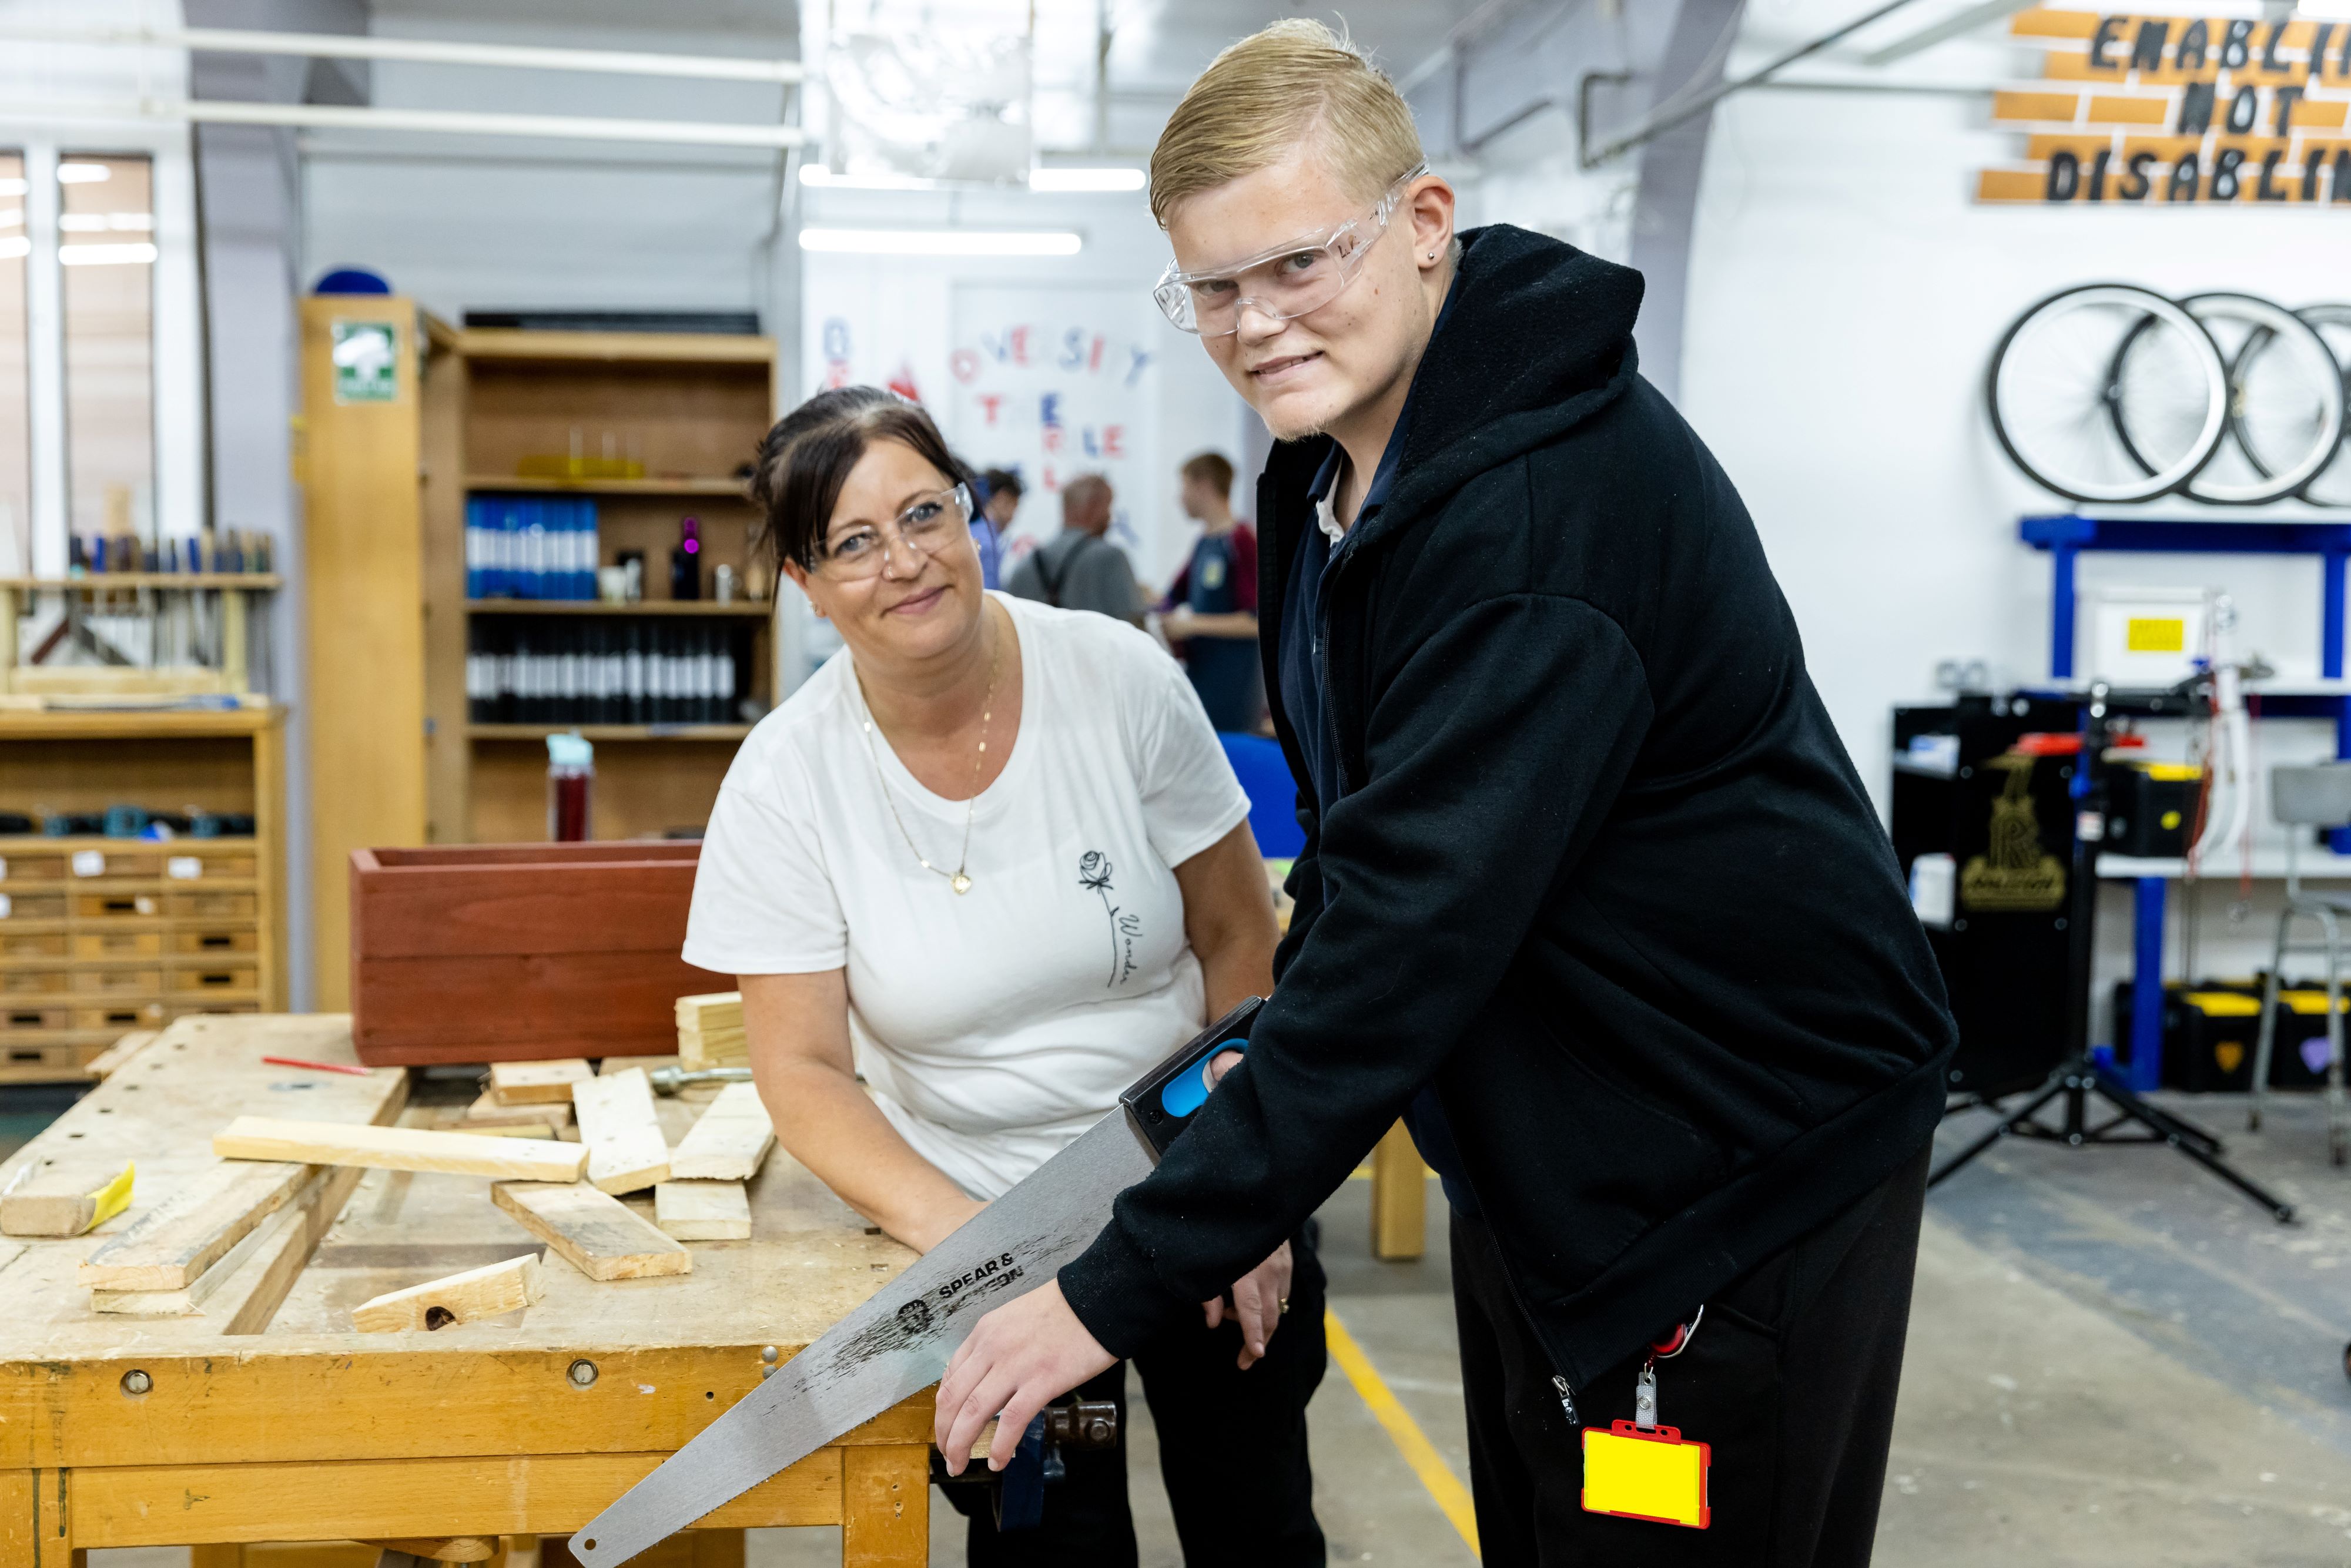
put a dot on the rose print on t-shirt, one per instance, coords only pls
(1093, 875)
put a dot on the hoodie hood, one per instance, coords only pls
(1536, 337)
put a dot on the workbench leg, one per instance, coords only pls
(886, 1507)
(718, 1549)
(1399, 1198)
(33, 1532)
(217, 1555)
(16, 1519)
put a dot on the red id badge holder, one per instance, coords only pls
(1639, 1470)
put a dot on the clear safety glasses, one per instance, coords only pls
(1287, 280)
(928, 523)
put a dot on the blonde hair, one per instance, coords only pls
(1265, 94)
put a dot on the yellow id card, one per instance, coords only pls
(1651, 1475)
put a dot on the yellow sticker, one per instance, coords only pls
(2169, 820)
(1651, 1475)
(114, 1196)
(2156, 635)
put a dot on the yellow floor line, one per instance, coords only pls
(1418, 1452)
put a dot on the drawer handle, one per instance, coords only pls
(216, 979)
(217, 941)
(26, 1020)
(23, 1055)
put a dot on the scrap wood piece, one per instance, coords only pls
(243, 1290)
(727, 1141)
(115, 1057)
(702, 1210)
(397, 1149)
(464, 1298)
(621, 1132)
(710, 1032)
(537, 1083)
(43, 1201)
(489, 1110)
(593, 1231)
(190, 1301)
(170, 1246)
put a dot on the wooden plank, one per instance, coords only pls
(729, 1140)
(17, 1533)
(620, 1132)
(117, 1055)
(398, 1149)
(1399, 1197)
(595, 1232)
(190, 1301)
(524, 1495)
(537, 1083)
(702, 1210)
(885, 1508)
(169, 1248)
(463, 1298)
(63, 1200)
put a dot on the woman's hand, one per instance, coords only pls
(1260, 1298)
(1018, 1357)
(941, 1221)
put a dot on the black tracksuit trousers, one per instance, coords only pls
(1791, 1377)
(1232, 1451)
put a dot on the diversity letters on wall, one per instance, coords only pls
(2150, 110)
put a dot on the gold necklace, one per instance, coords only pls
(958, 878)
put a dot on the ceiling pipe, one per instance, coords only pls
(426, 51)
(456, 122)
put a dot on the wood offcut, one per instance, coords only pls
(54, 1201)
(621, 1132)
(702, 1210)
(729, 1140)
(399, 1149)
(596, 1233)
(464, 1298)
(170, 1246)
(537, 1083)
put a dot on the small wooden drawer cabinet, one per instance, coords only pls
(100, 936)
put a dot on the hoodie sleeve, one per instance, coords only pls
(1492, 756)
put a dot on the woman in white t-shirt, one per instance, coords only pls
(991, 857)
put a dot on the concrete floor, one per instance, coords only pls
(2115, 1360)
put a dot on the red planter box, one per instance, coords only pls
(518, 952)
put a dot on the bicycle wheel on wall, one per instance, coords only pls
(2331, 486)
(2286, 401)
(2108, 393)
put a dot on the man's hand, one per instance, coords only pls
(1018, 1357)
(1260, 1298)
(1177, 623)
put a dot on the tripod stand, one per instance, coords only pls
(2079, 1077)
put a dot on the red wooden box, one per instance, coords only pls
(517, 952)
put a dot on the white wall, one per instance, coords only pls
(901, 313)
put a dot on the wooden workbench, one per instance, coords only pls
(268, 1419)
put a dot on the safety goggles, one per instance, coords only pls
(928, 523)
(1287, 281)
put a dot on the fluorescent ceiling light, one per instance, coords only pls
(97, 223)
(12, 187)
(104, 255)
(942, 241)
(12, 218)
(10, 249)
(2339, 10)
(1061, 180)
(83, 173)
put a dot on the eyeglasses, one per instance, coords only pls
(928, 522)
(1287, 281)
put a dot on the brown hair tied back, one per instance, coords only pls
(805, 460)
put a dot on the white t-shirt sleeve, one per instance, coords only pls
(1190, 796)
(763, 901)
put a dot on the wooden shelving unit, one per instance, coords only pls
(689, 408)
(100, 936)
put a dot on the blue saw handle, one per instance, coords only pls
(1161, 1103)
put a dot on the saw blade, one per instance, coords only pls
(890, 1348)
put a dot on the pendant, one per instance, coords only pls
(960, 883)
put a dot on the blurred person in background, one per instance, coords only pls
(1000, 498)
(1210, 611)
(1078, 568)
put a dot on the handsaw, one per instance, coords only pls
(898, 1343)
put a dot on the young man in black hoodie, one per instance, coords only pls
(1591, 894)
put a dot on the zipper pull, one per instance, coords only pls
(1566, 1398)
